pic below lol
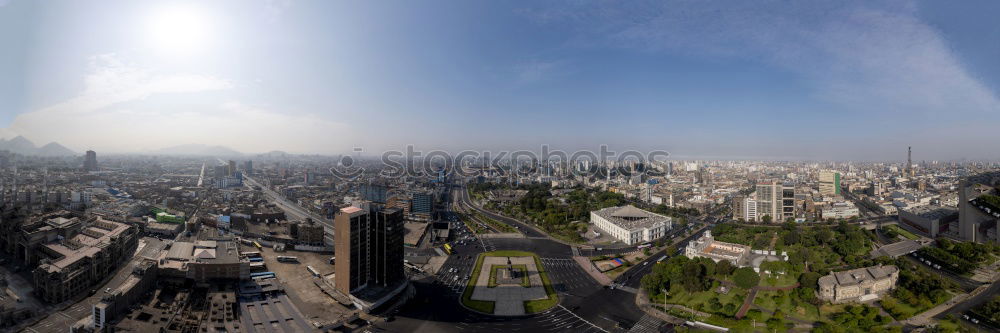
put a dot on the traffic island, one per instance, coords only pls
(509, 283)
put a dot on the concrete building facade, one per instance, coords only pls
(369, 248)
(858, 285)
(631, 225)
(73, 264)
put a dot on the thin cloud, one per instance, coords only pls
(866, 57)
(124, 108)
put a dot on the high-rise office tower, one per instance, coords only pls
(231, 168)
(90, 161)
(369, 247)
(829, 182)
(776, 200)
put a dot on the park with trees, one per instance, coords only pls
(813, 251)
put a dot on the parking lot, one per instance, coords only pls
(299, 282)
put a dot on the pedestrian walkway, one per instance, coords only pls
(647, 324)
(589, 267)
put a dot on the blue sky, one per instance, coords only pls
(737, 79)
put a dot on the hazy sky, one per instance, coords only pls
(768, 79)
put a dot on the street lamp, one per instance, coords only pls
(664, 299)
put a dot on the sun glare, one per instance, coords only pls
(178, 30)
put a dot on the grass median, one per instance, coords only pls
(481, 306)
(535, 306)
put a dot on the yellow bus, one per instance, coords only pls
(257, 245)
(447, 248)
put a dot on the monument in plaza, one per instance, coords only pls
(512, 285)
(509, 274)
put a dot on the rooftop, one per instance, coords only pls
(857, 276)
(630, 217)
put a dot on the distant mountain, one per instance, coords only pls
(197, 150)
(23, 146)
(55, 149)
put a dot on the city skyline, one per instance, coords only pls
(804, 81)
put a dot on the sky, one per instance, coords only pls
(815, 80)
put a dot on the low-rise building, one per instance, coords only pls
(840, 210)
(929, 220)
(707, 247)
(631, 225)
(858, 285)
(307, 232)
(204, 261)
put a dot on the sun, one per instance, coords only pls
(178, 30)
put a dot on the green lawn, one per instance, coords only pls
(902, 232)
(777, 280)
(501, 227)
(542, 304)
(901, 310)
(804, 310)
(700, 300)
(481, 306)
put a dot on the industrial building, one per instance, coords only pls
(928, 220)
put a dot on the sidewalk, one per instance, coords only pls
(589, 267)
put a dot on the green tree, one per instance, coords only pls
(746, 278)
(809, 280)
(693, 278)
(724, 268)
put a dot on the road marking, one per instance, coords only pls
(584, 320)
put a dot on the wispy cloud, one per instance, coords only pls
(121, 109)
(866, 57)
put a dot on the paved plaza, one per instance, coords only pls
(509, 298)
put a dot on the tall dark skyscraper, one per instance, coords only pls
(90, 161)
(369, 248)
(909, 161)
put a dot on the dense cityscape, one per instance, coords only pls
(279, 242)
(270, 166)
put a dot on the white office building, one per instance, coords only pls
(631, 225)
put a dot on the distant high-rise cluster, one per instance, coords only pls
(773, 199)
(90, 161)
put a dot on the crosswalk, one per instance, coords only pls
(647, 324)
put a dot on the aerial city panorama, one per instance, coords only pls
(582, 166)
